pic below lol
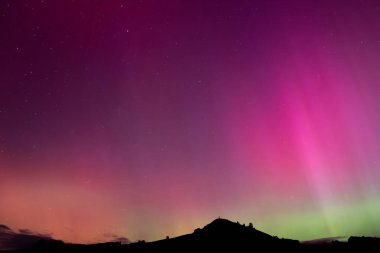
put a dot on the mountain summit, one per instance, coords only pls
(226, 230)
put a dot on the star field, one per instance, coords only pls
(147, 120)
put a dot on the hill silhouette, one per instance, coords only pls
(220, 235)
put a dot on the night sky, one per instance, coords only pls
(145, 119)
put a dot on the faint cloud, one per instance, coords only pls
(23, 239)
(3, 227)
(326, 240)
(117, 238)
(25, 231)
(122, 239)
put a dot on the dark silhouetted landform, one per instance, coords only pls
(221, 235)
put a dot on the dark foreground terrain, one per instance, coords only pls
(219, 236)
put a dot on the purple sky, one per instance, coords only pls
(144, 119)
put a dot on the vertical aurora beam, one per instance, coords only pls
(310, 138)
